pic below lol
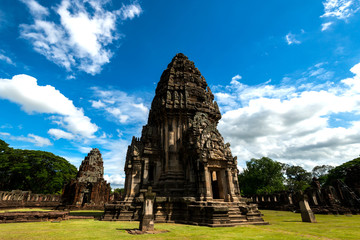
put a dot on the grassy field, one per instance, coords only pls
(283, 225)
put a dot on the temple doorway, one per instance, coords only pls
(217, 185)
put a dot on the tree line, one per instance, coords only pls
(266, 176)
(35, 171)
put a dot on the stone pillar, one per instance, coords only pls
(166, 145)
(147, 218)
(207, 183)
(306, 214)
(230, 185)
(146, 171)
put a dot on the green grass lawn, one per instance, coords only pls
(283, 225)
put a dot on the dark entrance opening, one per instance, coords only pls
(215, 185)
(87, 194)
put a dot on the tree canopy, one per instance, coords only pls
(321, 173)
(262, 176)
(346, 172)
(297, 178)
(36, 171)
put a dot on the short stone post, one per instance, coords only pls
(306, 213)
(147, 218)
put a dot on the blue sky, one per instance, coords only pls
(81, 74)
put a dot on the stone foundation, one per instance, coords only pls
(17, 217)
(188, 211)
(27, 199)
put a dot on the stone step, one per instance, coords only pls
(81, 217)
(238, 221)
(237, 216)
(221, 225)
(252, 223)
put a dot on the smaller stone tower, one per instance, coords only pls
(89, 189)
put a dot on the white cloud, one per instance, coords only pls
(6, 59)
(236, 78)
(293, 124)
(58, 133)
(130, 11)
(120, 106)
(82, 38)
(32, 138)
(24, 90)
(35, 8)
(340, 9)
(326, 26)
(116, 180)
(37, 140)
(97, 104)
(291, 39)
(85, 149)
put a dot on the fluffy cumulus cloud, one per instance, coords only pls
(120, 106)
(58, 133)
(82, 38)
(116, 180)
(24, 90)
(303, 124)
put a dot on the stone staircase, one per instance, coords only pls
(239, 217)
(215, 213)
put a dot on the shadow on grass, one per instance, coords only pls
(87, 214)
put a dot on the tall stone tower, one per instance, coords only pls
(89, 189)
(182, 156)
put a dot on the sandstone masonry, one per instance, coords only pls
(89, 189)
(183, 157)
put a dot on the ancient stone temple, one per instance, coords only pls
(182, 156)
(89, 189)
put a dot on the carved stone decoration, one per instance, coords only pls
(182, 155)
(89, 189)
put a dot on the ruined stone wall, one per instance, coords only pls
(25, 199)
(327, 200)
(38, 216)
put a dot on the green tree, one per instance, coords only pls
(261, 176)
(342, 172)
(321, 173)
(36, 171)
(118, 190)
(297, 178)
